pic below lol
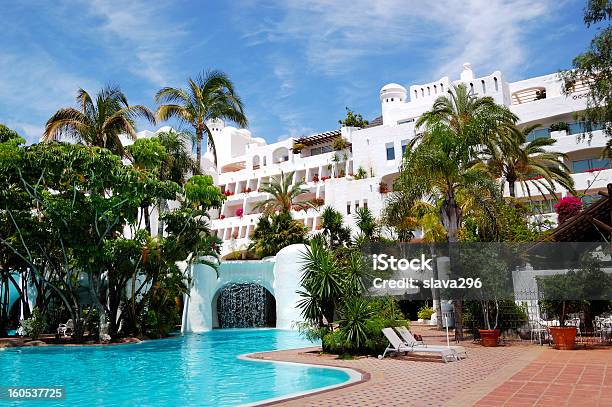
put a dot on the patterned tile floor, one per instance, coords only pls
(558, 378)
(512, 375)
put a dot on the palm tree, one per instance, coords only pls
(514, 160)
(477, 120)
(439, 163)
(284, 194)
(98, 122)
(211, 95)
(179, 162)
(367, 224)
(333, 229)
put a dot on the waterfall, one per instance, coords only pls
(243, 305)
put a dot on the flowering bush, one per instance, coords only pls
(567, 207)
(383, 188)
(239, 212)
(222, 217)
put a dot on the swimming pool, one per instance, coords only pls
(198, 369)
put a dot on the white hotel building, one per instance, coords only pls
(245, 163)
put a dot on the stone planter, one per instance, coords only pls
(564, 337)
(489, 337)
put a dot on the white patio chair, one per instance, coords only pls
(397, 345)
(62, 329)
(410, 340)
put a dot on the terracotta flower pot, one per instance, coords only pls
(564, 337)
(489, 337)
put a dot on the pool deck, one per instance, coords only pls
(511, 375)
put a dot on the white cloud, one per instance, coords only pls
(336, 34)
(33, 86)
(139, 35)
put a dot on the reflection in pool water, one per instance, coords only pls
(194, 369)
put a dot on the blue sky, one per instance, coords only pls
(296, 64)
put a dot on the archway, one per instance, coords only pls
(244, 305)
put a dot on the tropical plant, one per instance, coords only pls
(284, 194)
(274, 232)
(439, 163)
(366, 223)
(361, 173)
(211, 95)
(567, 207)
(559, 126)
(98, 122)
(33, 326)
(333, 230)
(353, 120)
(531, 164)
(340, 144)
(297, 148)
(425, 312)
(147, 155)
(322, 280)
(593, 68)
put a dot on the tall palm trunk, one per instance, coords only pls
(511, 186)
(199, 134)
(450, 215)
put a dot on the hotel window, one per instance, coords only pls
(589, 164)
(320, 150)
(390, 151)
(484, 87)
(356, 205)
(538, 133)
(348, 208)
(404, 146)
(365, 203)
(495, 82)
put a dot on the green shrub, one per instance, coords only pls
(425, 312)
(33, 326)
(361, 324)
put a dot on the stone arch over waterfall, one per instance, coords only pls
(279, 275)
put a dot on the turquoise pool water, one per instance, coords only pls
(199, 370)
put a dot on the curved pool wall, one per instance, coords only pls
(280, 275)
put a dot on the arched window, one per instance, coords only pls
(256, 162)
(428, 91)
(264, 161)
(484, 87)
(422, 92)
(495, 82)
(435, 89)
(416, 94)
(471, 88)
(441, 87)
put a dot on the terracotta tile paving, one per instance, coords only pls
(515, 375)
(558, 378)
(421, 380)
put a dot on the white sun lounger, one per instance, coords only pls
(410, 340)
(397, 345)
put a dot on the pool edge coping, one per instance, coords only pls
(356, 376)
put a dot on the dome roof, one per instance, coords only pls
(392, 87)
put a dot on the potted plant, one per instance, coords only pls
(361, 173)
(339, 144)
(297, 148)
(383, 188)
(315, 178)
(564, 294)
(560, 126)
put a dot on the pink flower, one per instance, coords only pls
(239, 212)
(567, 207)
